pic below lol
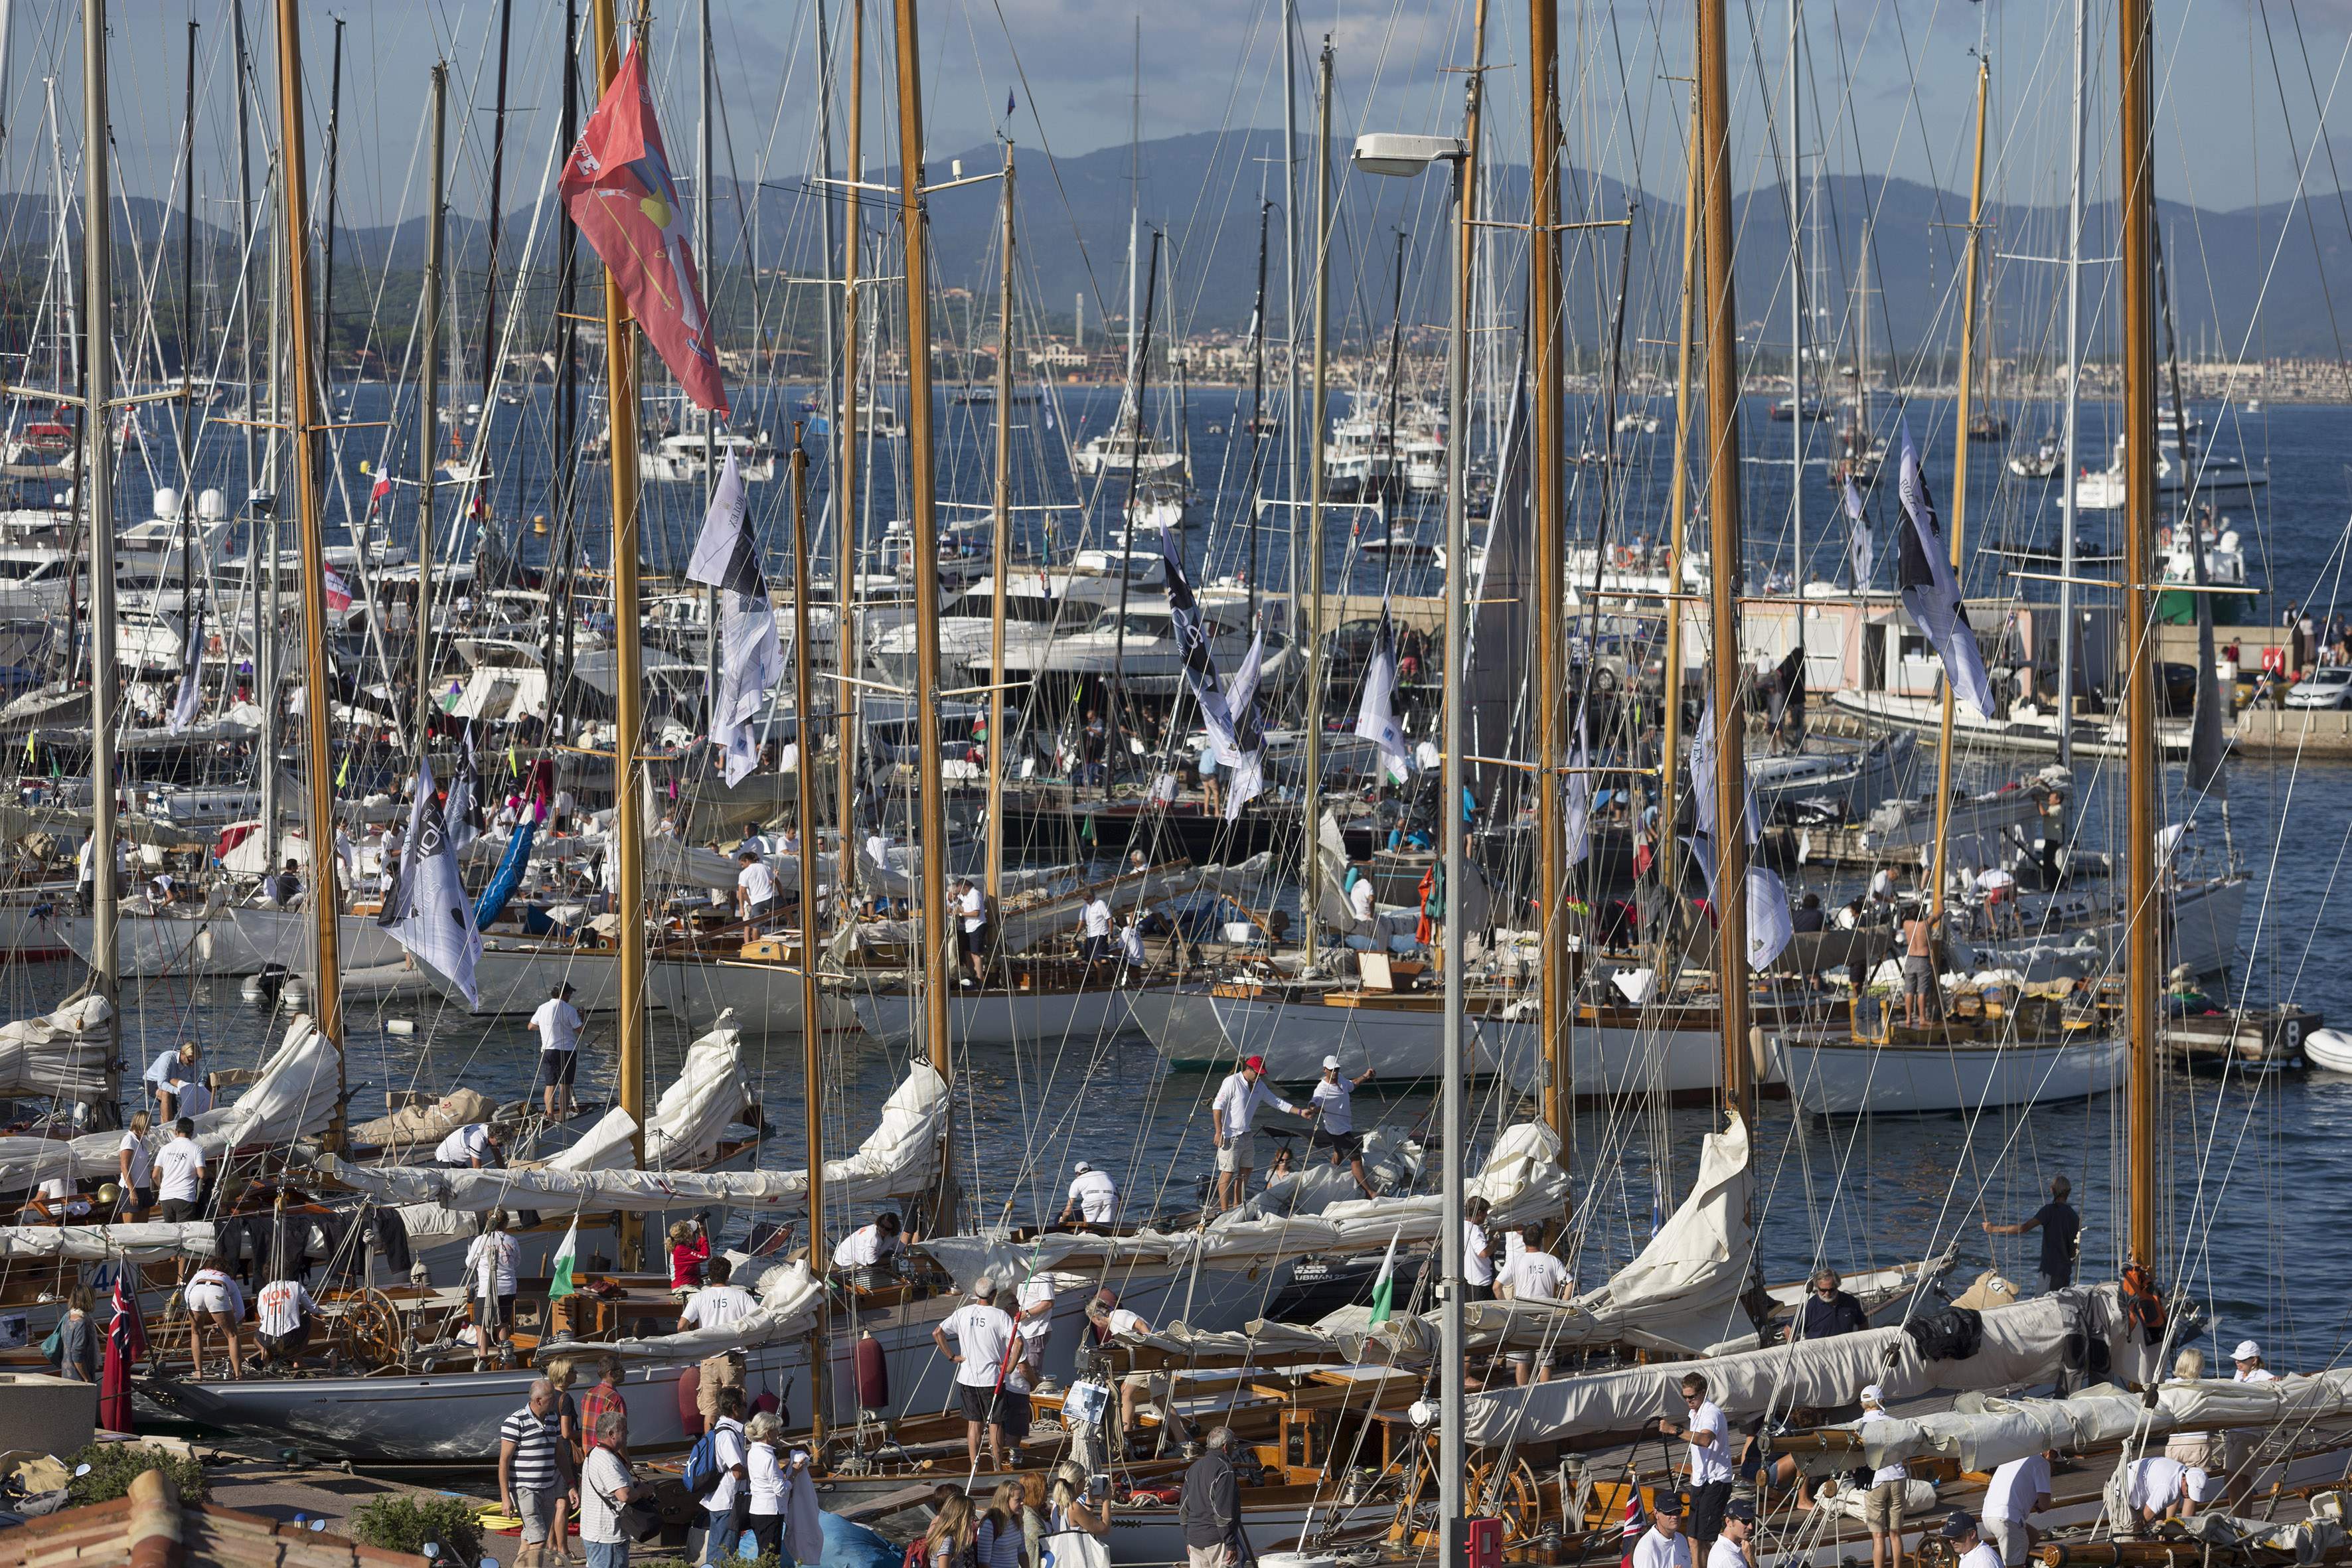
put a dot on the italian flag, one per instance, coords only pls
(1384, 1287)
(566, 1258)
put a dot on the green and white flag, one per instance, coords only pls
(1384, 1287)
(566, 1259)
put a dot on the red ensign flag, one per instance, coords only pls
(617, 187)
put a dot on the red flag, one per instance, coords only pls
(616, 184)
(1637, 1521)
(339, 597)
(382, 488)
(126, 1342)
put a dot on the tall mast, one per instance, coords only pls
(702, 232)
(428, 399)
(1257, 403)
(846, 642)
(259, 565)
(1290, 420)
(922, 470)
(490, 261)
(1670, 747)
(562, 551)
(327, 236)
(303, 419)
(628, 826)
(2074, 403)
(811, 1018)
(1139, 375)
(97, 457)
(1311, 793)
(1959, 525)
(2135, 26)
(1797, 292)
(1002, 564)
(191, 336)
(1723, 573)
(1544, 327)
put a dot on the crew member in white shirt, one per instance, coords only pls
(1360, 905)
(717, 1302)
(2243, 1440)
(1335, 1125)
(214, 1299)
(2159, 1488)
(169, 1069)
(1730, 1547)
(283, 1311)
(1534, 1275)
(1967, 1543)
(477, 1146)
(134, 1170)
(1663, 1544)
(1035, 1321)
(1709, 1436)
(865, 1253)
(1097, 914)
(2017, 1491)
(191, 1095)
(179, 1176)
(1477, 1251)
(755, 887)
(983, 1335)
(557, 1025)
(1094, 1196)
(971, 927)
(1232, 1120)
(1882, 1506)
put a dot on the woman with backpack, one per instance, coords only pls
(997, 1543)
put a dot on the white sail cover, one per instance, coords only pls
(2022, 1343)
(62, 1055)
(899, 1158)
(1683, 1290)
(790, 1300)
(708, 1093)
(1524, 1189)
(107, 1243)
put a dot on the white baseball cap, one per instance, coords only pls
(2247, 1350)
(2199, 1483)
(1331, 1061)
(1873, 1395)
(1081, 1168)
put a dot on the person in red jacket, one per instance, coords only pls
(689, 1249)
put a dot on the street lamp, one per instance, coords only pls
(1406, 156)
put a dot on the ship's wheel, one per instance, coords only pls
(1512, 1496)
(374, 1332)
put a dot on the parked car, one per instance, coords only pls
(2329, 686)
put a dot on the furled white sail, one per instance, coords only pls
(62, 1055)
(790, 1300)
(708, 1093)
(107, 1243)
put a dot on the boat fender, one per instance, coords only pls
(690, 1406)
(873, 1371)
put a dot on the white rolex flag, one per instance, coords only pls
(727, 558)
(432, 918)
(192, 666)
(1375, 719)
(1930, 593)
(1862, 550)
(1246, 753)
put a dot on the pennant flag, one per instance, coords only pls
(1384, 1287)
(191, 667)
(432, 916)
(126, 1342)
(1375, 717)
(1248, 758)
(1862, 550)
(1045, 402)
(339, 597)
(1193, 646)
(1008, 103)
(617, 185)
(1702, 779)
(750, 660)
(344, 773)
(461, 812)
(566, 1259)
(1924, 573)
(1770, 927)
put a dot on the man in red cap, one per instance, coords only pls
(1231, 1117)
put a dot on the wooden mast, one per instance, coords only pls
(1958, 525)
(1002, 552)
(1723, 574)
(1310, 823)
(1670, 803)
(2136, 28)
(1544, 330)
(844, 484)
(922, 465)
(326, 986)
(628, 828)
(97, 467)
(428, 403)
(812, 1023)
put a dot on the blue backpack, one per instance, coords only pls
(702, 1467)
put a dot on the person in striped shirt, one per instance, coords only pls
(535, 1473)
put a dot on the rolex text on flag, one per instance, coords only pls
(751, 661)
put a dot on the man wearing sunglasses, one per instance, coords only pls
(1709, 1436)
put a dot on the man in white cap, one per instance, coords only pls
(1336, 1121)
(2159, 1488)
(1882, 1506)
(2244, 1440)
(1093, 1197)
(984, 1337)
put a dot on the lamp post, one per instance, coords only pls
(1405, 157)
